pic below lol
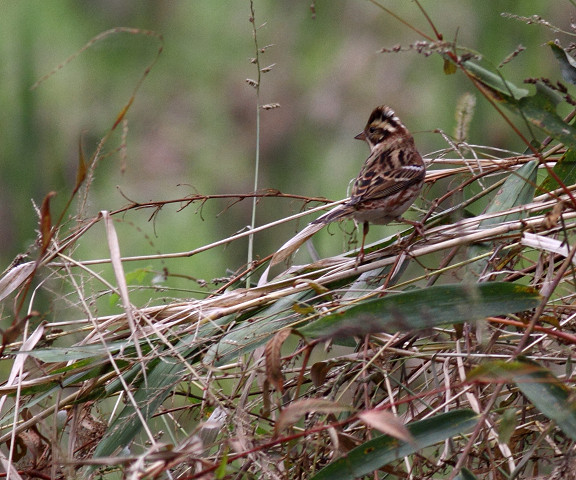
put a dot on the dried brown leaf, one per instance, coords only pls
(551, 219)
(318, 373)
(15, 277)
(387, 423)
(347, 442)
(296, 410)
(449, 67)
(81, 173)
(46, 222)
(266, 403)
(272, 353)
(123, 112)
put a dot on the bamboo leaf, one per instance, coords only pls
(66, 354)
(388, 423)
(296, 410)
(517, 190)
(507, 426)
(165, 372)
(15, 277)
(565, 170)
(538, 109)
(248, 336)
(494, 81)
(425, 308)
(272, 353)
(567, 63)
(382, 450)
(465, 474)
(548, 394)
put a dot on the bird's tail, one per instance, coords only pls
(337, 213)
(296, 241)
(292, 245)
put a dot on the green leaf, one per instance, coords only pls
(249, 335)
(382, 450)
(164, 373)
(65, 354)
(565, 170)
(567, 63)
(134, 277)
(465, 474)
(220, 472)
(517, 190)
(426, 308)
(548, 394)
(538, 109)
(499, 370)
(507, 426)
(544, 91)
(494, 81)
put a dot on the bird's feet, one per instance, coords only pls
(418, 226)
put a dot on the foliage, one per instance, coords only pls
(433, 354)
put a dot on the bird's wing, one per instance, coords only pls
(382, 176)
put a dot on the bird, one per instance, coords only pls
(388, 184)
(390, 180)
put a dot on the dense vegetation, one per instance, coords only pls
(128, 347)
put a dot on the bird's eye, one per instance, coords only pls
(372, 130)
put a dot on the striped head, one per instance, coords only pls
(383, 125)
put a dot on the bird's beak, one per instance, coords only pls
(360, 136)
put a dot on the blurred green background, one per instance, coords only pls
(192, 127)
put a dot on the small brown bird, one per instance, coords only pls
(391, 178)
(389, 182)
